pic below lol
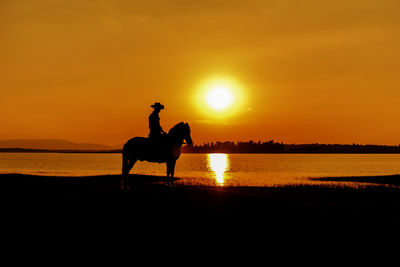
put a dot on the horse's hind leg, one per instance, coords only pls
(124, 177)
(126, 167)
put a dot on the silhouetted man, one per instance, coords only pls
(154, 122)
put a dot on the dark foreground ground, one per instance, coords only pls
(83, 213)
(78, 215)
(151, 199)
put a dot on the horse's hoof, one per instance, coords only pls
(125, 189)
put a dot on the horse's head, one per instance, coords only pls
(182, 130)
(186, 134)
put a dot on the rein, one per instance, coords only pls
(178, 135)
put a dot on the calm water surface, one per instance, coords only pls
(211, 169)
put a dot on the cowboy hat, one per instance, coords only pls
(157, 105)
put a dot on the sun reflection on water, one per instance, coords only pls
(219, 164)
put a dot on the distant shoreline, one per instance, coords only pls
(118, 151)
(34, 150)
(229, 147)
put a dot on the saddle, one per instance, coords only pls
(158, 140)
(158, 148)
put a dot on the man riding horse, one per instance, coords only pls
(160, 147)
(154, 122)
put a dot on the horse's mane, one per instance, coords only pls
(176, 128)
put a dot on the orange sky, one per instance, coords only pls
(310, 71)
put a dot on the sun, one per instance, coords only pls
(219, 98)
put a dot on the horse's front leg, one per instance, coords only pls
(170, 172)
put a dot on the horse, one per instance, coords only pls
(164, 149)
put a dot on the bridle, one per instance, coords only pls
(183, 139)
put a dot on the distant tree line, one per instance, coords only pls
(246, 147)
(275, 147)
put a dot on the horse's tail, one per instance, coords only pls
(125, 171)
(124, 162)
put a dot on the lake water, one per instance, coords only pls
(211, 169)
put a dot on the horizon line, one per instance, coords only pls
(196, 144)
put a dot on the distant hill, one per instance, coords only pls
(52, 144)
(116, 147)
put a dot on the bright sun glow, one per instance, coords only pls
(219, 97)
(219, 164)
